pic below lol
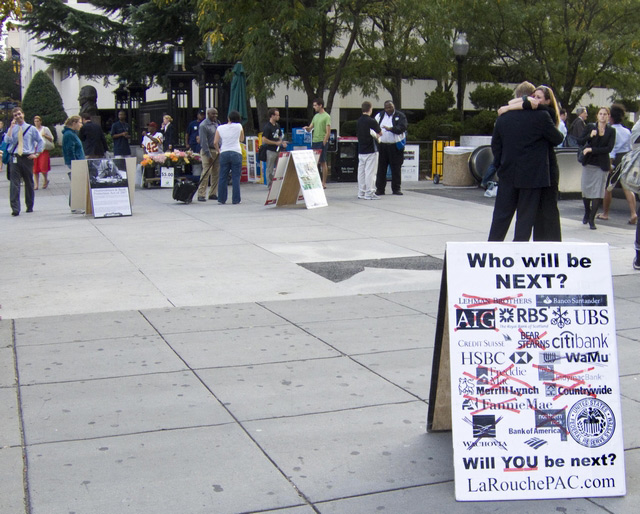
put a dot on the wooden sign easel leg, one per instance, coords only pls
(439, 416)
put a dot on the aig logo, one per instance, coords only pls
(475, 319)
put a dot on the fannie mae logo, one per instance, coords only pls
(475, 319)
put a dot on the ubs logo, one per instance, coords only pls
(592, 317)
(475, 319)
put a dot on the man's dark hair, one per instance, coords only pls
(318, 101)
(234, 117)
(272, 111)
(563, 111)
(86, 116)
(366, 106)
(618, 113)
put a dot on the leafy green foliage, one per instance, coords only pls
(131, 39)
(305, 44)
(438, 101)
(480, 124)
(42, 99)
(9, 81)
(491, 96)
(568, 45)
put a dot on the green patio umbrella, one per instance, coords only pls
(238, 98)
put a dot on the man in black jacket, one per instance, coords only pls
(520, 144)
(92, 137)
(394, 127)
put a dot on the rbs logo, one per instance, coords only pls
(475, 319)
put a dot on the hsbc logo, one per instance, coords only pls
(521, 358)
(475, 319)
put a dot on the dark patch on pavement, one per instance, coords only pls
(338, 271)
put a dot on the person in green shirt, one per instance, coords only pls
(321, 126)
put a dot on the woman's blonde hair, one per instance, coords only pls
(548, 95)
(71, 120)
(169, 118)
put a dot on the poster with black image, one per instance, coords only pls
(108, 183)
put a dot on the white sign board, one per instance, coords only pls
(310, 181)
(535, 395)
(109, 187)
(411, 165)
(166, 176)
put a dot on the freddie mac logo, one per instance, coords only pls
(475, 319)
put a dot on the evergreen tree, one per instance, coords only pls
(42, 99)
(131, 39)
(9, 81)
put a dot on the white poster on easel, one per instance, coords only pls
(297, 178)
(306, 165)
(109, 187)
(535, 393)
(278, 178)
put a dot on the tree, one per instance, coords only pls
(12, 9)
(568, 45)
(492, 96)
(42, 99)
(130, 39)
(305, 43)
(9, 81)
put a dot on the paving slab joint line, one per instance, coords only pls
(236, 420)
(360, 364)
(384, 491)
(25, 466)
(379, 295)
(604, 509)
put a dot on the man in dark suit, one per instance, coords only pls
(92, 137)
(520, 144)
(391, 148)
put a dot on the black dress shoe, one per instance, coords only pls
(399, 193)
(213, 197)
(14, 213)
(29, 210)
(379, 193)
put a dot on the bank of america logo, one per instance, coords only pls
(535, 442)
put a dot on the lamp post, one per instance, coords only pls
(179, 98)
(461, 49)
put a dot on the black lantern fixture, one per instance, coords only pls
(180, 98)
(121, 96)
(461, 49)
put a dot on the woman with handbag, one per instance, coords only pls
(595, 145)
(42, 164)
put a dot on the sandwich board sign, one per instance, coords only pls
(534, 395)
(296, 177)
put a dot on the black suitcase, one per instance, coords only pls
(183, 190)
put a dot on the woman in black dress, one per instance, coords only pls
(596, 144)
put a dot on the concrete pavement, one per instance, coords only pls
(195, 358)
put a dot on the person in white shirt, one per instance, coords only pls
(227, 142)
(622, 146)
(562, 126)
